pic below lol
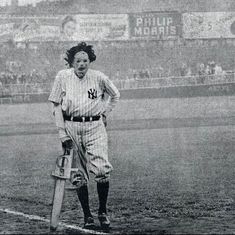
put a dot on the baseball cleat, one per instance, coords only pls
(89, 223)
(53, 229)
(104, 220)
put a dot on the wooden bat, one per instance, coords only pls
(61, 173)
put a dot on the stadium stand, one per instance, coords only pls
(26, 67)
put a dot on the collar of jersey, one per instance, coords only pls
(79, 79)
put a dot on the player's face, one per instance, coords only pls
(81, 63)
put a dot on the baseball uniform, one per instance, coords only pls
(84, 98)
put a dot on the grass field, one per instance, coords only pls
(173, 168)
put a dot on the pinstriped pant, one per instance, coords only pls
(91, 155)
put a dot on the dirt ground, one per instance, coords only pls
(171, 176)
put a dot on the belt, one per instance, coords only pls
(81, 119)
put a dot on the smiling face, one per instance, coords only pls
(81, 63)
(69, 28)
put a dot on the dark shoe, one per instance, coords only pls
(89, 223)
(104, 220)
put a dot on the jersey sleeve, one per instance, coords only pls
(112, 91)
(56, 92)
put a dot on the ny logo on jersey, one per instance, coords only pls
(92, 93)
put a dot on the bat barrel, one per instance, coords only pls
(57, 203)
(61, 173)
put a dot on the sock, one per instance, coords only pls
(102, 189)
(83, 197)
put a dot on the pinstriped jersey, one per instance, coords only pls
(83, 97)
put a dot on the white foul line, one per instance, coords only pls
(39, 218)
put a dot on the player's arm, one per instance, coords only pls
(59, 120)
(56, 98)
(113, 92)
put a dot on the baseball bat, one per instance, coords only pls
(61, 173)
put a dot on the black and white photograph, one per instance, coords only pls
(117, 117)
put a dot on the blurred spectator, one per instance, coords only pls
(117, 75)
(141, 74)
(135, 74)
(201, 73)
(201, 69)
(219, 73)
(211, 67)
(168, 72)
(144, 73)
(130, 73)
(22, 78)
(218, 69)
(1, 89)
(207, 70)
(189, 72)
(147, 73)
(159, 71)
(185, 70)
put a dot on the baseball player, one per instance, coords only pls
(78, 101)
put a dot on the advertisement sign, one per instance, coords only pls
(156, 25)
(205, 25)
(35, 30)
(22, 29)
(89, 27)
(102, 27)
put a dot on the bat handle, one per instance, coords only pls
(67, 151)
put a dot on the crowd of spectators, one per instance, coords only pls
(211, 68)
(204, 70)
(32, 77)
(148, 72)
(201, 70)
(125, 78)
(35, 76)
(125, 62)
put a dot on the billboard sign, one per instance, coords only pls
(102, 27)
(206, 25)
(22, 29)
(90, 27)
(155, 25)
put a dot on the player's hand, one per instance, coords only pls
(67, 144)
(104, 119)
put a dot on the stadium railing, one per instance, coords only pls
(175, 81)
(22, 92)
